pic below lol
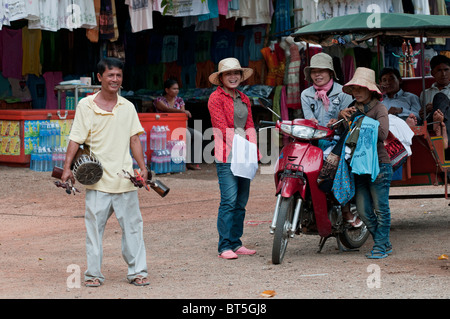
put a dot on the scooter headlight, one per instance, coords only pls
(303, 132)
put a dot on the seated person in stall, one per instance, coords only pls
(170, 102)
(436, 99)
(398, 102)
(438, 95)
(323, 101)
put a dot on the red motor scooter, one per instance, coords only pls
(301, 206)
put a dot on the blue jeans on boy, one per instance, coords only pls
(372, 203)
(234, 193)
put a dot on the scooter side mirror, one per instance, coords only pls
(265, 103)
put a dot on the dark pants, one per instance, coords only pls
(442, 102)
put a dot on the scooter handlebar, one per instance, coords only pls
(268, 123)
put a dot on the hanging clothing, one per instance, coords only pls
(365, 156)
(31, 43)
(293, 80)
(141, 14)
(12, 53)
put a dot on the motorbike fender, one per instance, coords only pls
(289, 186)
(320, 209)
(311, 159)
(314, 159)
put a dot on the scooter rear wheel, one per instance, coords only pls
(283, 229)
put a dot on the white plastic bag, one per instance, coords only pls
(244, 159)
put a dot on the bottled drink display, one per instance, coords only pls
(47, 151)
(167, 155)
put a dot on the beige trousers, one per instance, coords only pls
(99, 207)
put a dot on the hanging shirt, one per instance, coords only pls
(12, 53)
(31, 43)
(365, 156)
(260, 12)
(141, 15)
(170, 48)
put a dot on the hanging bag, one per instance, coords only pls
(244, 158)
(396, 151)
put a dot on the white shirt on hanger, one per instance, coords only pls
(141, 15)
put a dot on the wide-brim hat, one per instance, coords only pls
(363, 77)
(229, 64)
(319, 61)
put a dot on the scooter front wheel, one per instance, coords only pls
(283, 229)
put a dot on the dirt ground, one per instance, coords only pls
(42, 246)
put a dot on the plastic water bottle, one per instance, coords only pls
(42, 134)
(55, 157)
(63, 156)
(168, 161)
(57, 135)
(39, 160)
(49, 159)
(158, 138)
(156, 161)
(152, 137)
(163, 137)
(143, 139)
(168, 135)
(33, 160)
(51, 135)
(44, 159)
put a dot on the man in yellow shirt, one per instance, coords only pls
(110, 126)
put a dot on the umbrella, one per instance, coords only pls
(362, 26)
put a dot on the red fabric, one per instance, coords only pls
(221, 109)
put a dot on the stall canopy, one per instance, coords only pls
(362, 26)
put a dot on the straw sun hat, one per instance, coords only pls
(319, 61)
(229, 64)
(363, 77)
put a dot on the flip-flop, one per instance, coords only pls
(141, 283)
(352, 221)
(93, 282)
(389, 250)
(376, 254)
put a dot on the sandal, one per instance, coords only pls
(140, 281)
(93, 282)
(353, 222)
(244, 251)
(376, 254)
(389, 250)
(228, 254)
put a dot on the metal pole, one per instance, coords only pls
(422, 68)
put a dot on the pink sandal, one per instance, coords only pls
(245, 251)
(228, 254)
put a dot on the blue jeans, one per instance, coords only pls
(234, 193)
(372, 203)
